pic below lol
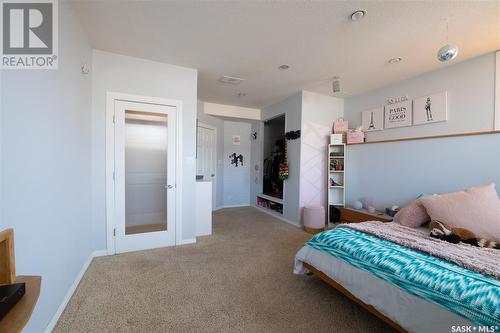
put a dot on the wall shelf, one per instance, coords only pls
(428, 137)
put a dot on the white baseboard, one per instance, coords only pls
(278, 216)
(72, 289)
(232, 206)
(187, 241)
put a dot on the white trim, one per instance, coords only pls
(278, 216)
(72, 290)
(187, 241)
(110, 146)
(497, 92)
(232, 206)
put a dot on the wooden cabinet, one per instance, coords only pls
(350, 215)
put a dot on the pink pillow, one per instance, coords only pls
(476, 209)
(413, 215)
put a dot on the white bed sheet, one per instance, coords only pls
(411, 312)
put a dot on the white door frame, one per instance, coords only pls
(111, 97)
(214, 183)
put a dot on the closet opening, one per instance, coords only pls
(274, 156)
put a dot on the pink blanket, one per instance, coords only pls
(477, 259)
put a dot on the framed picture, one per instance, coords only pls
(398, 114)
(430, 108)
(373, 120)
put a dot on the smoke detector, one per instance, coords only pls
(231, 79)
(358, 15)
(336, 84)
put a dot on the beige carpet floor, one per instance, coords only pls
(237, 280)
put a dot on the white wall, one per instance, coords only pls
(395, 173)
(117, 73)
(237, 179)
(318, 114)
(471, 90)
(219, 124)
(46, 171)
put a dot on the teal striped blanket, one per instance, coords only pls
(471, 295)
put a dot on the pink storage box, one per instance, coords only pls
(355, 137)
(340, 126)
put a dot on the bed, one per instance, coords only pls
(411, 281)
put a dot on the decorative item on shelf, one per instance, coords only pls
(357, 204)
(398, 112)
(236, 159)
(430, 109)
(371, 209)
(367, 202)
(340, 126)
(336, 154)
(373, 120)
(392, 211)
(292, 135)
(336, 165)
(283, 169)
(336, 139)
(355, 136)
(334, 183)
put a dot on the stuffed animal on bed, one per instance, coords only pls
(451, 234)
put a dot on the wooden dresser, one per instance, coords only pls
(351, 215)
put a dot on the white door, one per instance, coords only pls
(145, 151)
(206, 155)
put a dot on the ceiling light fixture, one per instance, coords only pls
(283, 67)
(449, 51)
(358, 15)
(395, 60)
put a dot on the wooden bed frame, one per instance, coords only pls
(346, 292)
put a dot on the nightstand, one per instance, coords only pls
(351, 215)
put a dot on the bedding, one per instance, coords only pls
(403, 308)
(473, 296)
(476, 209)
(413, 215)
(481, 260)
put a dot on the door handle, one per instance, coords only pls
(170, 187)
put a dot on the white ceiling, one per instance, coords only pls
(251, 39)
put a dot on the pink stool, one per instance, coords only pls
(314, 219)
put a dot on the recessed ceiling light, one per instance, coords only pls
(283, 67)
(358, 15)
(395, 60)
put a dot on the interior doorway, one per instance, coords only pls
(206, 156)
(274, 156)
(142, 150)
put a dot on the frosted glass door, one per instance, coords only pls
(145, 176)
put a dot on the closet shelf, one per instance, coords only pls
(336, 186)
(336, 171)
(270, 198)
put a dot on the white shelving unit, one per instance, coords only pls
(336, 166)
